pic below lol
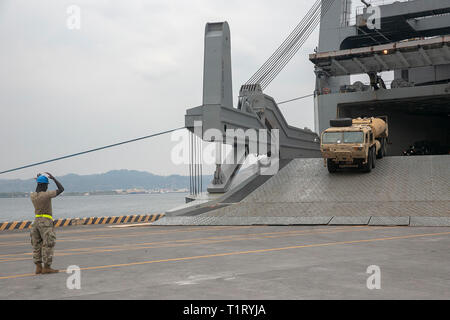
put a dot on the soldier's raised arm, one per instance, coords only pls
(58, 184)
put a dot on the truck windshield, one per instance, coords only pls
(343, 137)
(353, 137)
(332, 137)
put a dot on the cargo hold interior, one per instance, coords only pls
(411, 122)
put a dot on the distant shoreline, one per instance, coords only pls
(109, 183)
(9, 195)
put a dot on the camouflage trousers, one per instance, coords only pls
(43, 240)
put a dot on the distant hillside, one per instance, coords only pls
(112, 180)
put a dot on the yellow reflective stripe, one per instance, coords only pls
(44, 216)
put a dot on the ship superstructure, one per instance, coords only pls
(410, 39)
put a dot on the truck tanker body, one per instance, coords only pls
(354, 143)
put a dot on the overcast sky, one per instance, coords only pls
(132, 69)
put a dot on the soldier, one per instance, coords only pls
(43, 236)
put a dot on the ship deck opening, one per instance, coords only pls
(419, 122)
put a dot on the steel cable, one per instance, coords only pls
(92, 150)
(269, 78)
(281, 57)
(308, 31)
(276, 55)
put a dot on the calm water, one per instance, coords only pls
(92, 206)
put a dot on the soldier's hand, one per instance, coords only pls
(50, 176)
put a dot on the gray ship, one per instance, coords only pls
(409, 39)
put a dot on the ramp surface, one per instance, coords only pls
(399, 190)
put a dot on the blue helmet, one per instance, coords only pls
(42, 179)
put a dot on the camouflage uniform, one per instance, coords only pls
(43, 240)
(43, 236)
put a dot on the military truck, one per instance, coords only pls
(354, 143)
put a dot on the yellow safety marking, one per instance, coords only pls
(184, 230)
(243, 252)
(62, 231)
(88, 221)
(195, 241)
(13, 225)
(136, 234)
(22, 225)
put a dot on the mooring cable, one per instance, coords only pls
(295, 99)
(92, 150)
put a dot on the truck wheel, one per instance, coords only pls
(374, 158)
(380, 153)
(383, 148)
(332, 167)
(368, 166)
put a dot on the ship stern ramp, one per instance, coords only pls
(400, 191)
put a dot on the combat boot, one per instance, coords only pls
(38, 268)
(48, 269)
